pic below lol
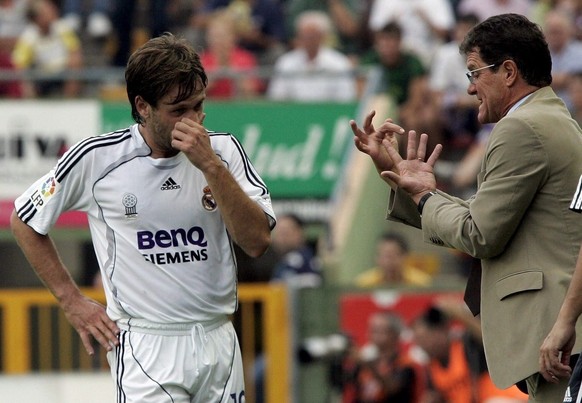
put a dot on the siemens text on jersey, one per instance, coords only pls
(173, 238)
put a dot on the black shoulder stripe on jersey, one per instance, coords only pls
(249, 168)
(65, 165)
(27, 211)
(250, 172)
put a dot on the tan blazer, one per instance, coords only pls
(519, 225)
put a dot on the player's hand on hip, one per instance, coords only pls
(90, 319)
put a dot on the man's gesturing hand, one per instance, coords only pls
(412, 174)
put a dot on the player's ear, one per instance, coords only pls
(142, 107)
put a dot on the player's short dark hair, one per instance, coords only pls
(159, 65)
(513, 37)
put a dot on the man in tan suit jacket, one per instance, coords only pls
(518, 223)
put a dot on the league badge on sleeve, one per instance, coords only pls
(44, 192)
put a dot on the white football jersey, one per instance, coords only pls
(162, 246)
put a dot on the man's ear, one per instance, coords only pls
(142, 107)
(510, 71)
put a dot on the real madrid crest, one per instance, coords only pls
(208, 201)
(129, 201)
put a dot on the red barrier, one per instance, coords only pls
(355, 309)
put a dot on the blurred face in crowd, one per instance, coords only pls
(390, 259)
(287, 235)
(558, 31)
(44, 13)
(388, 48)
(433, 340)
(221, 38)
(461, 30)
(381, 334)
(310, 37)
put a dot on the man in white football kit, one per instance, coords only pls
(165, 200)
(556, 359)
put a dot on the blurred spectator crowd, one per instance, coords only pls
(314, 51)
(436, 356)
(291, 50)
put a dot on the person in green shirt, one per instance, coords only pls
(349, 19)
(399, 68)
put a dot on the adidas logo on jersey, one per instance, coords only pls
(170, 184)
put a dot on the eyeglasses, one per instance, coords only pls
(471, 74)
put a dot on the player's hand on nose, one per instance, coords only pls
(192, 139)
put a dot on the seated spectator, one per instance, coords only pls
(448, 87)
(259, 25)
(404, 79)
(399, 67)
(128, 29)
(391, 266)
(348, 18)
(223, 57)
(421, 112)
(12, 23)
(381, 371)
(565, 50)
(484, 9)
(540, 8)
(456, 369)
(572, 8)
(48, 46)
(425, 24)
(312, 71)
(9, 88)
(98, 21)
(297, 262)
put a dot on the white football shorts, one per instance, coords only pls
(182, 363)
